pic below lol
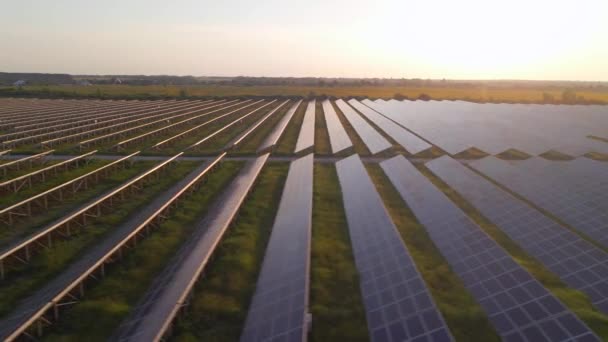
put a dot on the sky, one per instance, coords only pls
(463, 39)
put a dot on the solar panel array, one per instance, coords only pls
(403, 137)
(579, 201)
(518, 306)
(374, 141)
(273, 138)
(306, 139)
(577, 262)
(152, 317)
(456, 126)
(280, 303)
(398, 304)
(338, 138)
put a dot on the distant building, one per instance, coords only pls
(117, 81)
(19, 83)
(85, 83)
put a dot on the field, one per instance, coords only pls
(475, 93)
(140, 220)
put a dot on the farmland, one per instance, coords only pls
(479, 93)
(242, 213)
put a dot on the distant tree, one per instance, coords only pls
(183, 92)
(311, 95)
(424, 97)
(548, 98)
(569, 96)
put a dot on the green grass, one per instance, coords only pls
(51, 181)
(322, 145)
(49, 262)
(287, 143)
(219, 307)
(255, 140)
(27, 225)
(335, 298)
(358, 145)
(465, 318)
(110, 301)
(25, 168)
(575, 300)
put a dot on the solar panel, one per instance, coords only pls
(581, 205)
(338, 138)
(577, 262)
(403, 137)
(280, 303)
(456, 126)
(518, 306)
(374, 141)
(274, 136)
(397, 302)
(306, 139)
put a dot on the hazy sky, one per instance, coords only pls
(463, 39)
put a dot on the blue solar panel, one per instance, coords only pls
(338, 138)
(398, 304)
(280, 303)
(577, 262)
(581, 205)
(374, 141)
(456, 126)
(518, 306)
(403, 137)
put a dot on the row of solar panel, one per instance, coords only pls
(371, 138)
(519, 307)
(456, 126)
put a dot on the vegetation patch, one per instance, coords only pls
(575, 300)
(107, 304)
(51, 261)
(51, 181)
(471, 154)
(555, 155)
(219, 308)
(54, 212)
(513, 154)
(335, 299)
(465, 318)
(322, 145)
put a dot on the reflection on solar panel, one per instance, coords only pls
(272, 139)
(374, 141)
(518, 306)
(577, 262)
(579, 201)
(456, 126)
(403, 137)
(306, 139)
(280, 303)
(397, 302)
(338, 138)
